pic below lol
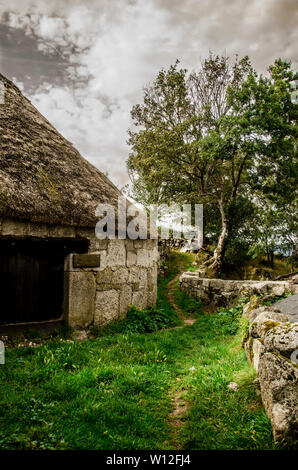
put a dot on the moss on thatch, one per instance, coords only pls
(43, 178)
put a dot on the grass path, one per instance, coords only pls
(171, 287)
(161, 390)
(180, 405)
(171, 291)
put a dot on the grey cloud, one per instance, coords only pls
(20, 58)
(88, 60)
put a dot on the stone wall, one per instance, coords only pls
(100, 284)
(271, 346)
(220, 292)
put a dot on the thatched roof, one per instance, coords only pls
(43, 178)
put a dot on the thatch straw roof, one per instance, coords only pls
(43, 178)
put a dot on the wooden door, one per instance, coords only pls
(31, 281)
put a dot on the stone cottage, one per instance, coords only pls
(52, 265)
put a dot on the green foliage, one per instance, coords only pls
(145, 321)
(201, 136)
(244, 325)
(228, 319)
(188, 304)
(176, 262)
(192, 268)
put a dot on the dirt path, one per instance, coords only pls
(177, 417)
(179, 403)
(171, 297)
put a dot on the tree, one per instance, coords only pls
(200, 135)
(265, 103)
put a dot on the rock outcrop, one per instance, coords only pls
(271, 346)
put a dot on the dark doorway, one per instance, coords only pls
(31, 278)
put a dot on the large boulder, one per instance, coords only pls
(264, 322)
(279, 389)
(282, 339)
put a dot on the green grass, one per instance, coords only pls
(187, 304)
(176, 262)
(115, 392)
(219, 418)
(147, 320)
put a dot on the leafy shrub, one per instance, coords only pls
(188, 304)
(229, 320)
(145, 320)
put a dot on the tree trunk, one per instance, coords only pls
(218, 254)
(272, 259)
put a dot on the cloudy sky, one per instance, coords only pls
(83, 63)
